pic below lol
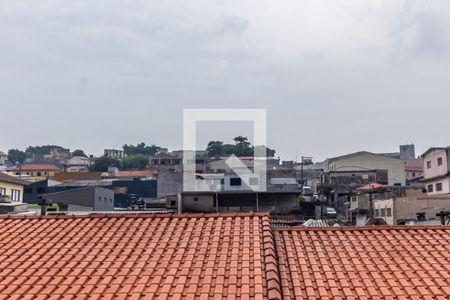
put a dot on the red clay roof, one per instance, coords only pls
(364, 263)
(217, 256)
(142, 173)
(38, 167)
(136, 257)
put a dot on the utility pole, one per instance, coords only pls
(442, 215)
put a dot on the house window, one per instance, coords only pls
(383, 213)
(235, 181)
(377, 213)
(39, 174)
(2, 191)
(439, 161)
(15, 195)
(389, 212)
(253, 181)
(439, 187)
(430, 188)
(429, 164)
(195, 199)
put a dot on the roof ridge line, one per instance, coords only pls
(365, 228)
(138, 215)
(271, 261)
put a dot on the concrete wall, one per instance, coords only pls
(281, 203)
(100, 199)
(169, 183)
(104, 199)
(405, 208)
(198, 203)
(384, 209)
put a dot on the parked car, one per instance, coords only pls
(330, 212)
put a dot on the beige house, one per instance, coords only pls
(11, 194)
(37, 170)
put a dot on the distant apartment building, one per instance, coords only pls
(413, 170)
(436, 170)
(386, 170)
(114, 153)
(59, 154)
(173, 161)
(3, 158)
(78, 164)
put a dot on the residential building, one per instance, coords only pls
(34, 190)
(78, 164)
(173, 161)
(60, 154)
(436, 170)
(217, 256)
(36, 171)
(122, 188)
(3, 159)
(362, 202)
(83, 199)
(11, 194)
(390, 171)
(410, 208)
(311, 174)
(114, 153)
(413, 170)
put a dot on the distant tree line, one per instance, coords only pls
(138, 156)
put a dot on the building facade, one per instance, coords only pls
(436, 171)
(114, 153)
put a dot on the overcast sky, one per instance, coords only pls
(334, 76)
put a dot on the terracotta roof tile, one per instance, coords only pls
(234, 256)
(137, 256)
(377, 262)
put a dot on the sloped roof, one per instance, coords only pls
(138, 256)
(11, 179)
(364, 263)
(39, 167)
(361, 153)
(217, 256)
(141, 173)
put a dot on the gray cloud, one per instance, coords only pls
(335, 77)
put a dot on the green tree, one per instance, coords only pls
(241, 147)
(102, 164)
(79, 152)
(16, 156)
(135, 162)
(41, 149)
(214, 148)
(140, 148)
(326, 189)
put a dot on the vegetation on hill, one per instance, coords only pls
(241, 147)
